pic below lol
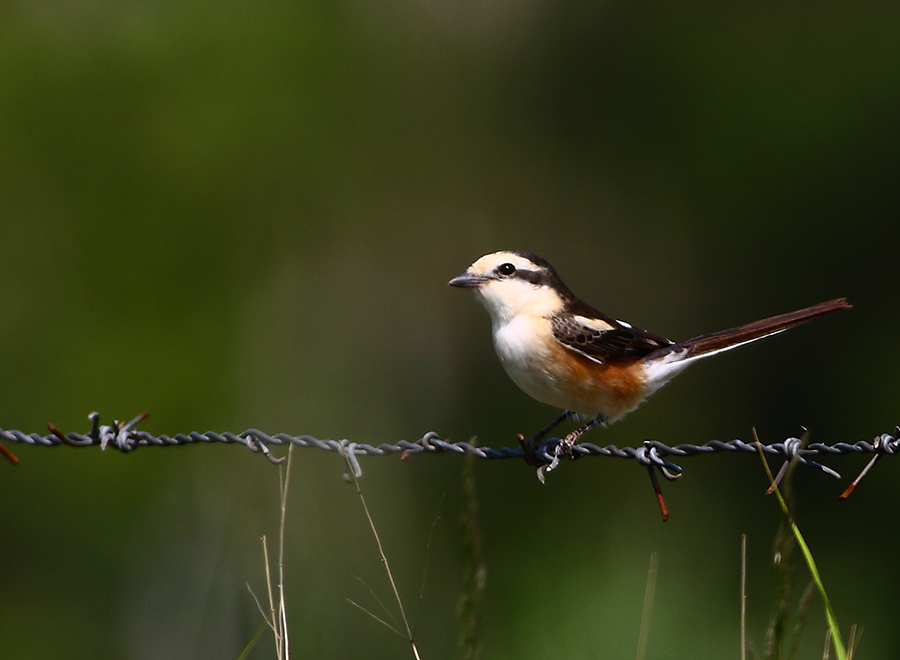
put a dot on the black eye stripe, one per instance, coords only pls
(542, 274)
(538, 277)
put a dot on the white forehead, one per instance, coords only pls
(489, 262)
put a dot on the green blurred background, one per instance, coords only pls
(241, 215)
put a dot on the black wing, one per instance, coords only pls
(603, 338)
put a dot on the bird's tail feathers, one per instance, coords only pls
(724, 340)
(668, 361)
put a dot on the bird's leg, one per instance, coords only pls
(537, 437)
(534, 441)
(566, 444)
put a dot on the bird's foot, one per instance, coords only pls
(566, 446)
(529, 449)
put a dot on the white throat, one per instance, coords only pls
(507, 299)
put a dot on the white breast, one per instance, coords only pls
(522, 346)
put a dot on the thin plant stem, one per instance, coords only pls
(282, 608)
(743, 597)
(647, 611)
(386, 564)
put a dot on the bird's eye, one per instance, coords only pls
(506, 269)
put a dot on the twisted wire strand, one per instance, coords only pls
(125, 437)
(651, 454)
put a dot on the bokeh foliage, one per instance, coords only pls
(240, 214)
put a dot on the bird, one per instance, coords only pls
(565, 353)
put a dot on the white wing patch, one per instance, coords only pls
(659, 371)
(595, 324)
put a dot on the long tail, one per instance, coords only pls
(727, 339)
(661, 365)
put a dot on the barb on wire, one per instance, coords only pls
(11, 457)
(126, 437)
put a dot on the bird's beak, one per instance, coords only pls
(468, 281)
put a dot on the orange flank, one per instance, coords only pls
(613, 388)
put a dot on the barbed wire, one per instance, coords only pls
(125, 437)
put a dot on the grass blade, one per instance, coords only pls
(839, 649)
